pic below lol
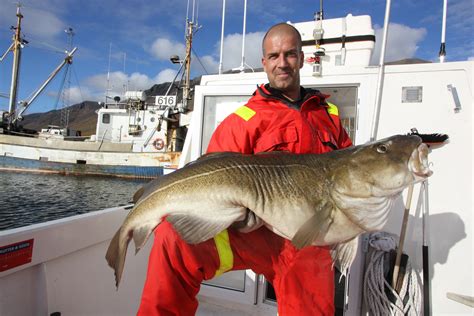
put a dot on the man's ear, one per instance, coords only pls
(301, 59)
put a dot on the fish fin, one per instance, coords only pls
(313, 228)
(194, 230)
(217, 155)
(142, 233)
(343, 254)
(248, 224)
(116, 254)
(138, 194)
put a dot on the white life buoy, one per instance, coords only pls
(159, 144)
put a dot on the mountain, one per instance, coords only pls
(82, 117)
(407, 61)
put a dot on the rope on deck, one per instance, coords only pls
(379, 296)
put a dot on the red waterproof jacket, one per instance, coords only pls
(269, 123)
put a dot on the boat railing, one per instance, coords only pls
(46, 136)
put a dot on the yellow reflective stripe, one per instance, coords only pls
(225, 252)
(332, 109)
(245, 112)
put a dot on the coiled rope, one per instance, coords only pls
(408, 301)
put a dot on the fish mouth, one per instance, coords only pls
(418, 163)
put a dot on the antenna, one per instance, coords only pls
(221, 66)
(442, 49)
(125, 85)
(107, 89)
(242, 63)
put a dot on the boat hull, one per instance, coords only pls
(82, 158)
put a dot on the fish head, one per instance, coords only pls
(383, 168)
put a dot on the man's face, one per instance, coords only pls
(282, 61)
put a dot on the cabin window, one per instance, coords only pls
(106, 118)
(345, 98)
(216, 109)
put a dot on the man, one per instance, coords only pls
(280, 116)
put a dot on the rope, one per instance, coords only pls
(408, 301)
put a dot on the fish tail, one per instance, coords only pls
(116, 253)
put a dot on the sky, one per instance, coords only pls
(130, 41)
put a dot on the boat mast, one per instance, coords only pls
(16, 48)
(191, 27)
(64, 121)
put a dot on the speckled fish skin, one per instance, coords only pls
(311, 199)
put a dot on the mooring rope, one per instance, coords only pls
(408, 301)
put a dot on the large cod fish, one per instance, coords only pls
(310, 199)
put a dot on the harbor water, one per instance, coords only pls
(30, 198)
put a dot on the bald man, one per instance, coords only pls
(280, 116)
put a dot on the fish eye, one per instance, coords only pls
(382, 148)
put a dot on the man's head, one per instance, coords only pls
(283, 58)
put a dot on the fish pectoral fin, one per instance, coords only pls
(194, 230)
(249, 223)
(313, 228)
(343, 254)
(142, 233)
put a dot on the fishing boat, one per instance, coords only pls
(58, 267)
(137, 136)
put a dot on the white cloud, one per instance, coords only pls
(115, 82)
(163, 48)
(210, 64)
(166, 75)
(402, 42)
(470, 58)
(232, 57)
(95, 86)
(33, 23)
(233, 50)
(78, 94)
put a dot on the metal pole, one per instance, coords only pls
(442, 49)
(107, 89)
(17, 43)
(426, 253)
(187, 61)
(27, 103)
(243, 37)
(380, 78)
(395, 284)
(221, 66)
(321, 14)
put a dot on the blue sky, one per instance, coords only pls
(143, 34)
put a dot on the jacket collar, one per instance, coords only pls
(268, 92)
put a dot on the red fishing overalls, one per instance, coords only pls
(303, 279)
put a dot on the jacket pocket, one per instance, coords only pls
(279, 139)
